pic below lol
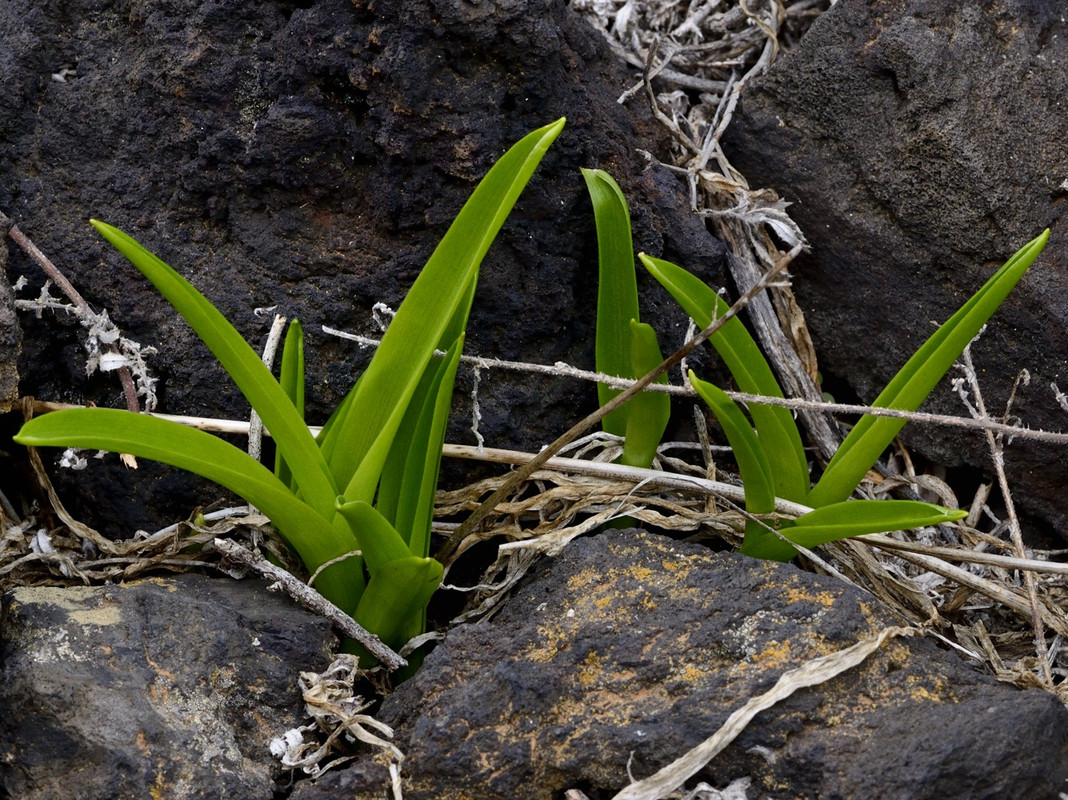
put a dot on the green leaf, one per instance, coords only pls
(858, 517)
(617, 291)
(749, 452)
(917, 379)
(649, 412)
(291, 379)
(753, 467)
(307, 531)
(419, 478)
(395, 472)
(243, 365)
(378, 540)
(357, 452)
(750, 370)
(853, 518)
(394, 604)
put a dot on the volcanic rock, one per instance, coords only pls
(168, 687)
(921, 145)
(629, 649)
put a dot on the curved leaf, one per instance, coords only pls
(309, 533)
(617, 291)
(858, 517)
(359, 451)
(649, 412)
(750, 370)
(243, 365)
(378, 540)
(748, 450)
(843, 520)
(917, 379)
(422, 462)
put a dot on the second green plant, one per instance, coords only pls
(770, 457)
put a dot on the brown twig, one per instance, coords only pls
(310, 599)
(129, 389)
(452, 544)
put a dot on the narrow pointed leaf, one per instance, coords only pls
(858, 517)
(917, 379)
(843, 520)
(617, 291)
(396, 470)
(753, 469)
(308, 532)
(419, 485)
(291, 379)
(776, 426)
(382, 394)
(748, 450)
(243, 365)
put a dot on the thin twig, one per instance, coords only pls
(241, 428)
(310, 599)
(129, 389)
(997, 455)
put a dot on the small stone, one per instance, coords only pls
(150, 689)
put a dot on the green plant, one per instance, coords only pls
(367, 482)
(625, 347)
(770, 457)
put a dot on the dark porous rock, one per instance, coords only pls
(310, 156)
(162, 688)
(922, 144)
(635, 646)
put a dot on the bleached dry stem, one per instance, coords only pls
(270, 348)
(997, 456)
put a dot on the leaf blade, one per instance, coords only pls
(750, 370)
(307, 531)
(748, 451)
(357, 455)
(850, 518)
(617, 291)
(291, 379)
(394, 604)
(242, 364)
(918, 378)
(649, 412)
